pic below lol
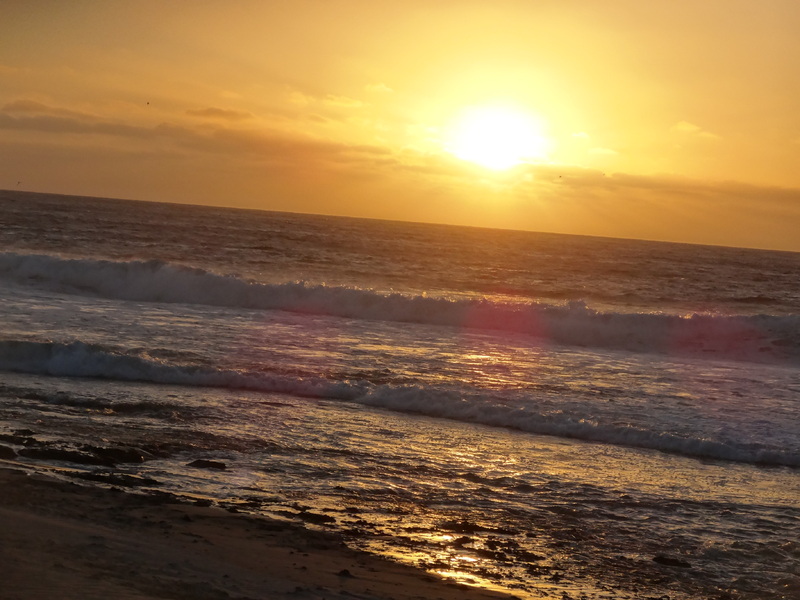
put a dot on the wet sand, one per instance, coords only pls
(70, 541)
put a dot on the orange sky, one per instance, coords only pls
(666, 119)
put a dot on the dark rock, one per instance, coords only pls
(345, 573)
(202, 463)
(492, 554)
(7, 453)
(461, 526)
(670, 561)
(525, 556)
(316, 518)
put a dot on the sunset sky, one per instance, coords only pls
(659, 119)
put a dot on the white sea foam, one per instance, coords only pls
(760, 337)
(77, 359)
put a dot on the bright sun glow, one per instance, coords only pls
(497, 137)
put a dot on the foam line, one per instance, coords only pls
(77, 359)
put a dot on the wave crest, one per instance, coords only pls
(760, 338)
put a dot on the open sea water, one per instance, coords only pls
(557, 416)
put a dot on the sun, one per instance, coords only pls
(497, 137)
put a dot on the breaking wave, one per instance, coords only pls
(77, 359)
(759, 337)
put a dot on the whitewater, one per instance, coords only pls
(538, 412)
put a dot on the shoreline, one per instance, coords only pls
(65, 540)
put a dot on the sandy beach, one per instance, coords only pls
(70, 541)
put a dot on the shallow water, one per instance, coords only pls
(521, 511)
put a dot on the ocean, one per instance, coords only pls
(552, 415)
